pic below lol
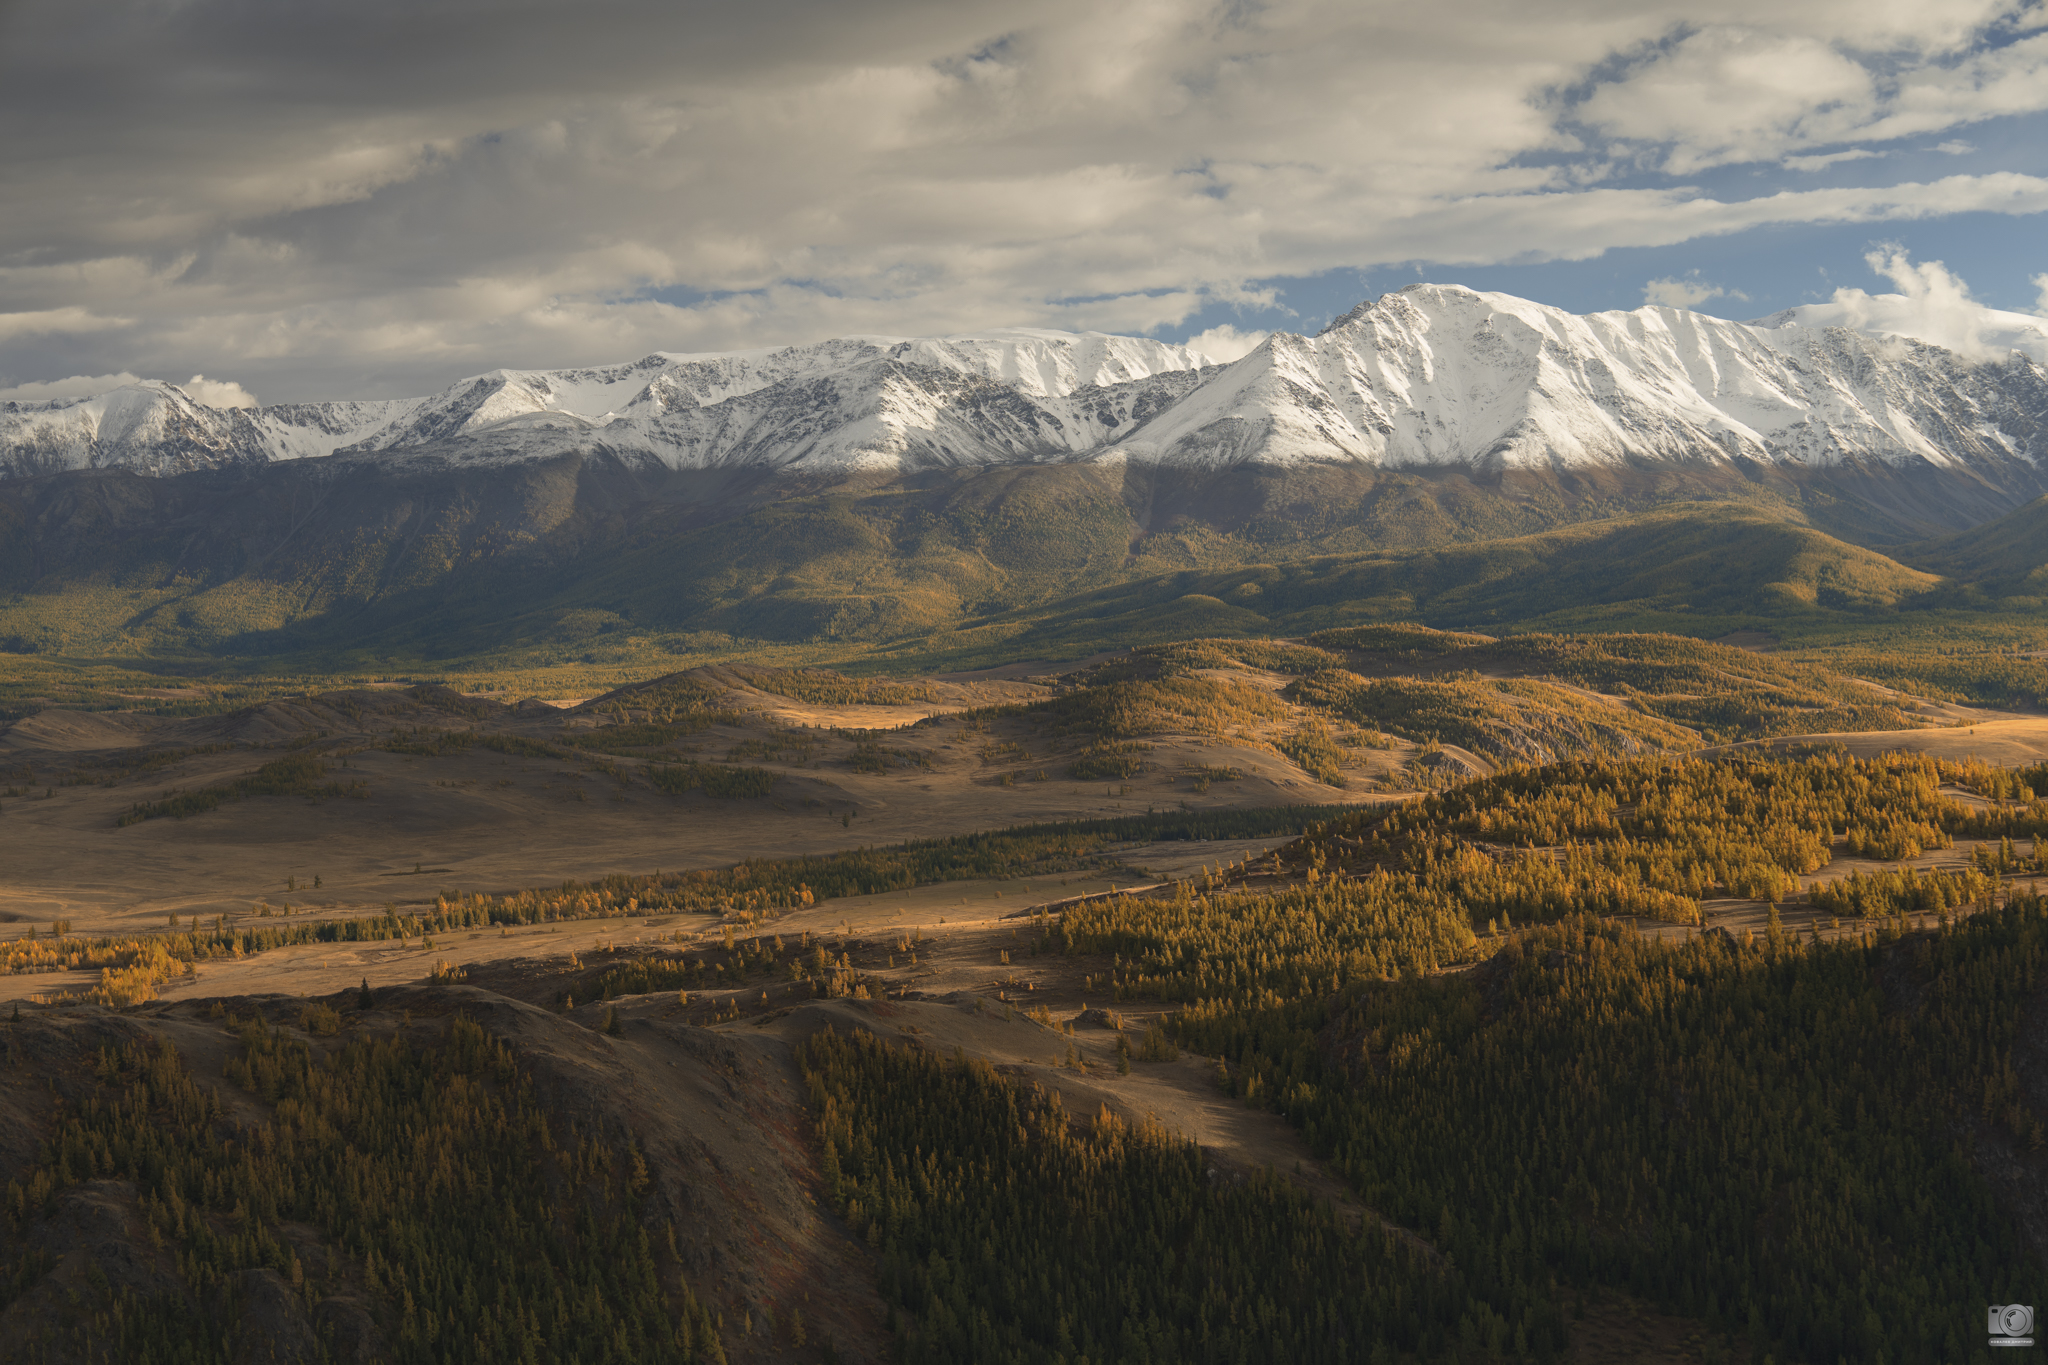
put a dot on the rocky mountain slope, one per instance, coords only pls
(159, 429)
(1447, 376)
(860, 402)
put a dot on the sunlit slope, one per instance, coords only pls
(1704, 561)
(1002, 564)
(995, 568)
(535, 557)
(414, 563)
(2007, 557)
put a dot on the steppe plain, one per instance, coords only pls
(708, 1075)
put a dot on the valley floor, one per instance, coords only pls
(708, 1077)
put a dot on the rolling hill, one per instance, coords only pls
(2008, 556)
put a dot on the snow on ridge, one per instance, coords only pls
(1974, 332)
(158, 428)
(1428, 375)
(875, 401)
(1436, 374)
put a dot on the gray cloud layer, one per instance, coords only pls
(321, 198)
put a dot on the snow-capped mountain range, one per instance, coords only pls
(1432, 375)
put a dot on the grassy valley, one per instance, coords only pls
(1025, 920)
(1770, 953)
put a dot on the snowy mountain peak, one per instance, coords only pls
(1047, 364)
(1973, 333)
(1435, 375)
(1427, 376)
(158, 428)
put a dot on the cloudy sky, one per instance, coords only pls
(320, 199)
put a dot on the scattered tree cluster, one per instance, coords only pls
(298, 774)
(822, 687)
(1716, 692)
(752, 891)
(1120, 708)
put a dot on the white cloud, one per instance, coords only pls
(1748, 91)
(1224, 343)
(1686, 293)
(78, 386)
(1583, 225)
(2040, 282)
(347, 213)
(1933, 305)
(45, 321)
(1729, 93)
(1826, 159)
(219, 393)
(1939, 95)
(214, 393)
(1955, 147)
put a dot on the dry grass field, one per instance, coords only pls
(416, 793)
(478, 818)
